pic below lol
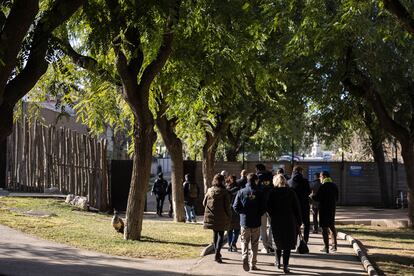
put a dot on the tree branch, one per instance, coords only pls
(36, 64)
(15, 29)
(396, 8)
(129, 82)
(372, 96)
(2, 20)
(86, 62)
(163, 53)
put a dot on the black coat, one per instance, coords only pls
(265, 183)
(235, 218)
(327, 196)
(283, 208)
(160, 187)
(242, 182)
(301, 186)
(188, 199)
(250, 205)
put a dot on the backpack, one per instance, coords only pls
(160, 186)
(192, 190)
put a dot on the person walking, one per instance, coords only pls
(234, 229)
(191, 193)
(282, 172)
(217, 213)
(284, 209)
(327, 196)
(243, 179)
(301, 186)
(265, 183)
(250, 205)
(314, 185)
(160, 190)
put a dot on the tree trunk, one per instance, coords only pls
(231, 154)
(376, 137)
(209, 154)
(6, 117)
(3, 163)
(407, 153)
(378, 151)
(175, 148)
(144, 138)
(177, 169)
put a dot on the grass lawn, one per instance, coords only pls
(390, 250)
(160, 239)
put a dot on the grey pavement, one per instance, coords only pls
(24, 255)
(342, 262)
(371, 216)
(21, 254)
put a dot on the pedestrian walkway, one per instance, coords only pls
(22, 254)
(342, 262)
(362, 215)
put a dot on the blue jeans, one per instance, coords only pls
(233, 236)
(190, 214)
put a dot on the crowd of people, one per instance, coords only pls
(261, 206)
(272, 208)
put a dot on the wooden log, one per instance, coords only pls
(27, 150)
(105, 179)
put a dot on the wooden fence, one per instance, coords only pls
(41, 157)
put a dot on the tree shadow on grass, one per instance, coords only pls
(394, 260)
(406, 237)
(152, 240)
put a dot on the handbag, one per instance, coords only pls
(303, 247)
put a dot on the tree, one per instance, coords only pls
(25, 31)
(397, 8)
(166, 125)
(129, 27)
(369, 57)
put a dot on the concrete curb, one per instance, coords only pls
(361, 252)
(209, 249)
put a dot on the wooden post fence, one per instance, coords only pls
(40, 157)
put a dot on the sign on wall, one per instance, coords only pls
(355, 170)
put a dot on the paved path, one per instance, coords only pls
(25, 255)
(343, 262)
(22, 254)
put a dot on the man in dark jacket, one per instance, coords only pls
(191, 193)
(301, 186)
(249, 204)
(327, 196)
(243, 179)
(314, 185)
(265, 184)
(160, 190)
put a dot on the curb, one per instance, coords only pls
(209, 249)
(361, 252)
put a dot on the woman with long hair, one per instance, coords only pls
(217, 213)
(284, 210)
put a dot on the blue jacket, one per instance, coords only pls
(250, 205)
